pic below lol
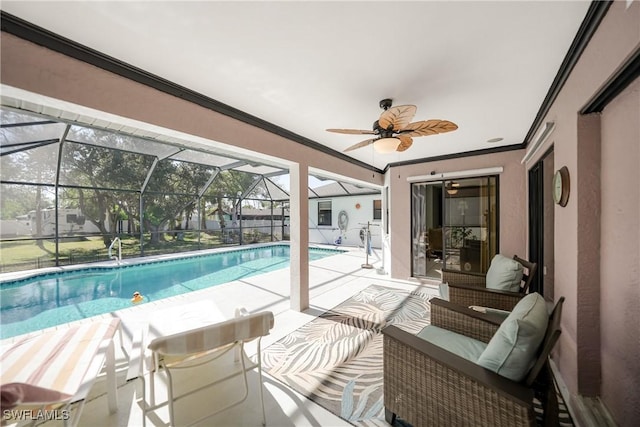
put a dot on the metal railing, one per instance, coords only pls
(119, 257)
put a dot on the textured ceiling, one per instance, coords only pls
(309, 66)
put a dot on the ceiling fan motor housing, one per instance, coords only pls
(385, 104)
(379, 130)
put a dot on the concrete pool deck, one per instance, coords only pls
(332, 280)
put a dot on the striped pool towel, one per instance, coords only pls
(51, 367)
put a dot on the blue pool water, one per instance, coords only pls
(51, 299)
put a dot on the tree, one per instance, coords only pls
(97, 172)
(223, 192)
(32, 160)
(172, 192)
(17, 200)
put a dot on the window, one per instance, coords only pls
(324, 213)
(377, 209)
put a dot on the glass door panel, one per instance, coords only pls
(470, 223)
(426, 229)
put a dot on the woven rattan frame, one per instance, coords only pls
(470, 288)
(471, 295)
(429, 386)
(463, 320)
(455, 277)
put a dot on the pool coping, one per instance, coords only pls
(128, 262)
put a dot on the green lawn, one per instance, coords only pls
(21, 251)
(26, 254)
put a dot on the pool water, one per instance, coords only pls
(47, 300)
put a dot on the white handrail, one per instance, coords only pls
(119, 257)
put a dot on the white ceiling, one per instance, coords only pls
(308, 66)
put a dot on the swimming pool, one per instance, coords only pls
(52, 299)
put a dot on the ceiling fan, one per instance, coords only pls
(394, 131)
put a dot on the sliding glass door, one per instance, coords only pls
(454, 225)
(426, 222)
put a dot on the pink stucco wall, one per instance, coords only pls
(513, 203)
(620, 255)
(597, 233)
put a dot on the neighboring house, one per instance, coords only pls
(340, 213)
(70, 221)
(263, 220)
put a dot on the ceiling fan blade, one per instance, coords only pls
(429, 127)
(399, 117)
(405, 142)
(360, 144)
(352, 131)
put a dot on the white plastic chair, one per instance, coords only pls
(212, 344)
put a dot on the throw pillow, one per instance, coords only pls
(504, 274)
(512, 350)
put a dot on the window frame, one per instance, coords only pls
(377, 210)
(325, 215)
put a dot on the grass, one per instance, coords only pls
(26, 254)
(27, 250)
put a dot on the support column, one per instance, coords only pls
(299, 236)
(587, 184)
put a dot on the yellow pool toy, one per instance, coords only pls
(137, 297)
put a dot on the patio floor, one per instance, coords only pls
(332, 280)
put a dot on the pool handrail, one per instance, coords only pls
(119, 257)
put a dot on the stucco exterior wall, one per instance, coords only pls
(359, 210)
(596, 234)
(512, 203)
(620, 255)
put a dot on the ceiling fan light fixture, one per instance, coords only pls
(386, 145)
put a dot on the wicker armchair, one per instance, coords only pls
(470, 288)
(426, 385)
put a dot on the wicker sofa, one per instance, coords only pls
(471, 288)
(427, 385)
